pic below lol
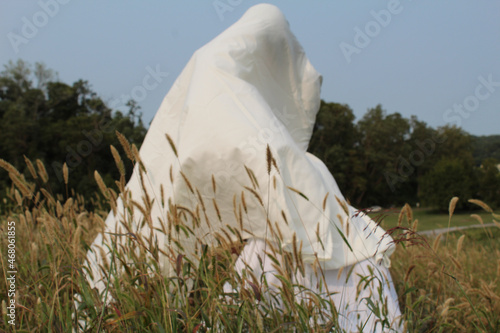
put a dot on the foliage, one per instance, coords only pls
(489, 181)
(335, 141)
(43, 118)
(382, 159)
(448, 178)
(383, 141)
(386, 159)
(485, 147)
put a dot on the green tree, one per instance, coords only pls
(485, 147)
(489, 182)
(451, 170)
(448, 178)
(335, 141)
(384, 141)
(42, 118)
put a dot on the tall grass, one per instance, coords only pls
(449, 282)
(441, 287)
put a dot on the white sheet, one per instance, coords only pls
(249, 88)
(348, 288)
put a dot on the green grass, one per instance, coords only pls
(429, 219)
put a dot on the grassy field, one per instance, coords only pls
(451, 283)
(429, 219)
(445, 284)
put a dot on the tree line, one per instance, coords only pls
(381, 159)
(386, 159)
(43, 118)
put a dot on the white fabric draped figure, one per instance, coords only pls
(250, 88)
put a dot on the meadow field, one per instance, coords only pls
(447, 283)
(430, 219)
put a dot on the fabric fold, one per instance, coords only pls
(241, 115)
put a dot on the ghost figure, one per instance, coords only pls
(227, 147)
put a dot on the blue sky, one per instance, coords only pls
(437, 60)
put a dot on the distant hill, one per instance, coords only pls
(484, 147)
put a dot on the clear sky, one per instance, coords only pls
(438, 60)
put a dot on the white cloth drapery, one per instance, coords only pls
(250, 88)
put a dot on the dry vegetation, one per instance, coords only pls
(450, 282)
(445, 284)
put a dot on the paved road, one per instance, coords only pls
(436, 232)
